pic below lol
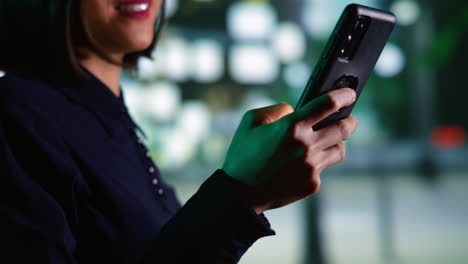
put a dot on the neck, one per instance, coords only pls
(108, 73)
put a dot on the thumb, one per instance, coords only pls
(272, 113)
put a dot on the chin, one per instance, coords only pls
(139, 42)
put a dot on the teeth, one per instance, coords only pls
(134, 7)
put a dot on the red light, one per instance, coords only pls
(448, 136)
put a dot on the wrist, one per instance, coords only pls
(251, 195)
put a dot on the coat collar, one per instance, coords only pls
(97, 98)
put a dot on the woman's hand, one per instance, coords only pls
(278, 156)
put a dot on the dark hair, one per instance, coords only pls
(39, 37)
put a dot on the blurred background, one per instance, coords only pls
(402, 194)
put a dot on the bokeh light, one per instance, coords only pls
(149, 69)
(178, 148)
(171, 7)
(194, 119)
(391, 61)
(407, 11)
(177, 59)
(296, 76)
(207, 61)
(162, 100)
(289, 42)
(253, 64)
(251, 20)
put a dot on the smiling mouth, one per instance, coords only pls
(134, 9)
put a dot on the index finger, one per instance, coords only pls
(325, 105)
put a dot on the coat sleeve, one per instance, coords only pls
(214, 226)
(36, 192)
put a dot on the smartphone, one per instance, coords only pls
(349, 56)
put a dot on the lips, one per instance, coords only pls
(136, 9)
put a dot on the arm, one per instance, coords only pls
(275, 159)
(34, 225)
(214, 226)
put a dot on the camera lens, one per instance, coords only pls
(353, 36)
(359, 25)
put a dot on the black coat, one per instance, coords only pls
(78, 186)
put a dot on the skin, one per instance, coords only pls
(278, 156)
(275, 155)
(115, 35)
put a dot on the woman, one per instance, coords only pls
(79, 186)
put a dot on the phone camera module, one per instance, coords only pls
(351, 40)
